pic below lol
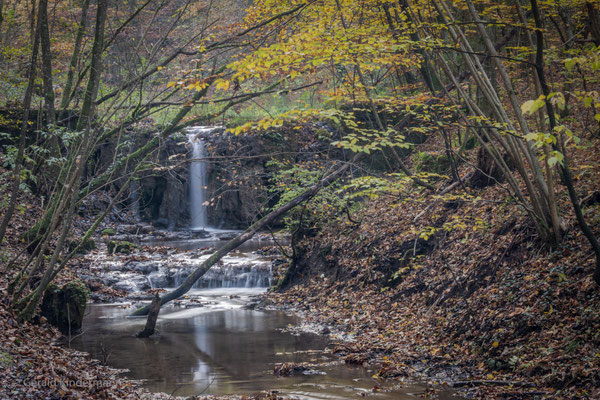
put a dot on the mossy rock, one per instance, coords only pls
(114, 247)
(108, 232)
(64, 307)
(471, 143)
(432, 162)
(86, 246)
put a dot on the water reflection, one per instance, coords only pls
(221, 349)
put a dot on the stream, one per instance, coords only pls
(214, 343)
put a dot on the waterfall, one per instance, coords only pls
(198, 179)
(245, 273)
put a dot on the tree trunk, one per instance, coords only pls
(15, 186)
(66, 94)
(245, 236)
(152, 317)
(566, 175)
(593, 21)
(46, 63)
(89, 99)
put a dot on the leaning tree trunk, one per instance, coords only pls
(566, 174)
(239, 240)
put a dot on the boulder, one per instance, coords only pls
(64, 307)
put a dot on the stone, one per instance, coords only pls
(86, 246)
(132, 283)
(144, 267)
(124, 247)
(64, 307)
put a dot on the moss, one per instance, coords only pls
(432, 162)
(108, 232)
(64, 307)
(5, 359)
(471, 143)
(86, 246)
(124, 247)
(114, 247)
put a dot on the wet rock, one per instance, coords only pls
(161, 279)
(144, 267)
(226, 236)
(134, 229)
(64, 306)
(128, 282)
(200, 234)
(251, 306)
(178, 235)
(123, 237)
(289, 368)
(123, 247)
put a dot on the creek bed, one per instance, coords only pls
(221, 348)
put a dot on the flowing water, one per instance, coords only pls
(198, 179)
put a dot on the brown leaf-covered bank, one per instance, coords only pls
(460, 291)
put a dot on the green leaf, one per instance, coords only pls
(570, 63)
(531, 106)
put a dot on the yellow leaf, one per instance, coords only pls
(224, 85)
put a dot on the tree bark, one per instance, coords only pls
(154, 309)
(15, 186)
(593, 21)
(46, 63)
(89, 99)
(66, 94)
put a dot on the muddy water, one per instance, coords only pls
(222, 348)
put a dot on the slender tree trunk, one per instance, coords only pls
(15, 186)
(153, 311)
(89, 99)
(46, 62)
(566, 175)
(375, 113)
(66, 94)
(1, 18)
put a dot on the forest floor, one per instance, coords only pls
(463, 294)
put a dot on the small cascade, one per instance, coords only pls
(228, 275)
(198, 181)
